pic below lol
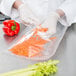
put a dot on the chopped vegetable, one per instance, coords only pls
(39, 69)
(30, 47)
(11, 27)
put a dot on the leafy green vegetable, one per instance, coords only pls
(39, 69)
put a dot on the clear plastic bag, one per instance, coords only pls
(32, 46)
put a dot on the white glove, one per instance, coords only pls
(50, 23)
(27, 16)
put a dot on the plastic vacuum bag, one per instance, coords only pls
(32, 46)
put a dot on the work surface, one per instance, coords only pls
(66, 53)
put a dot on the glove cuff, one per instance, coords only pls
(55, 14)
(22, 5)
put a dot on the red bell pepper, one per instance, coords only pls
(11, 27)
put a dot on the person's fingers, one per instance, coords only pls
(30, 21)
(34, 21)
(48, 34)
(44, 35)
(51, 31)
(25, 23)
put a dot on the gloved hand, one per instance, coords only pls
(50, 23)
(27, 16)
